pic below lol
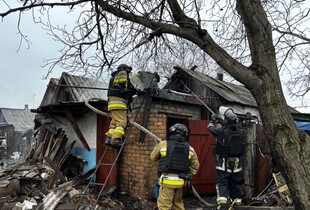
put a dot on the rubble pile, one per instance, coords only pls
(275, 194)
(49, 177)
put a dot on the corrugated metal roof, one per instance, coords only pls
(83, 94)
(229, 91)
(49, 92)
(21, 119)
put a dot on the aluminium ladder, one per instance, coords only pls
(91, 182)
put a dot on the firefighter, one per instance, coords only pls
(119, 98)
(229, 147)
(178, 161)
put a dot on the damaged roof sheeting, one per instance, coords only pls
(21, 119)
(229, 91)
(77, 88)
(177, 96)
(83, 94)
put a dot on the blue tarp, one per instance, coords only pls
(305, 126)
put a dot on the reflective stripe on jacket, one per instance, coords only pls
(231, 165)
(120, 80)
(173, 180)
(118, 83)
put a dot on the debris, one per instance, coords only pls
(50, 177)
(275, 194)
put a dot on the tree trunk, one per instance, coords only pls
(289, 149)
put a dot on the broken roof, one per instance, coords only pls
(76, 88)
(229, 91)
(83, 94)
(21, 119)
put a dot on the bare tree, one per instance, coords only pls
(252, 40)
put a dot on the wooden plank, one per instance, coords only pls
(45, 140)
(55, 168)
(57, 145)
(61, 149)
(66, 154)
(77, 129)
(49, 143)
(249, 155)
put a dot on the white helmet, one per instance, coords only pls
(230, 116)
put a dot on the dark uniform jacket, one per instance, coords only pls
(170, 179)
(221, 162)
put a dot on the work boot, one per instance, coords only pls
(238, 202)
(222, 207)
(108, 140)
(116, 143)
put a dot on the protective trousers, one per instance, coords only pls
(227, 186)
(118, 124)
(170, 199)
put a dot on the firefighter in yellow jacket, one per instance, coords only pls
(119, 98)
(178, 161)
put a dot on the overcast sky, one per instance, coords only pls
(22, 72)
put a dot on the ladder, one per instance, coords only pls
(92, 206)
(90, 183)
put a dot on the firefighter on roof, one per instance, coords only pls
(119, 98)
(229, 148)
(178, 161)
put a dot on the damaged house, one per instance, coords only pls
(70, 128)
(16, 129)
(156, 110)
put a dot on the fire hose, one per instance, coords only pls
(140, 127)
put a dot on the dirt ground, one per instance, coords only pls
(190, 202)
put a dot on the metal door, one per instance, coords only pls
(204, 144)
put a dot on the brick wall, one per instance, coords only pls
(137, 173)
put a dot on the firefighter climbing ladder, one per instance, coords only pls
(93, 205)
(112, 165)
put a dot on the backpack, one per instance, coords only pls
(176, 160)
(232, 145)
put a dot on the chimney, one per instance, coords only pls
(220, 74)
(26, 107)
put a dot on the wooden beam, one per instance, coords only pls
(77, 129)
(249, 156)
(66, 154)
(58, 173)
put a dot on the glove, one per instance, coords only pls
(213, 117)
(218, 118)
(140, 93)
